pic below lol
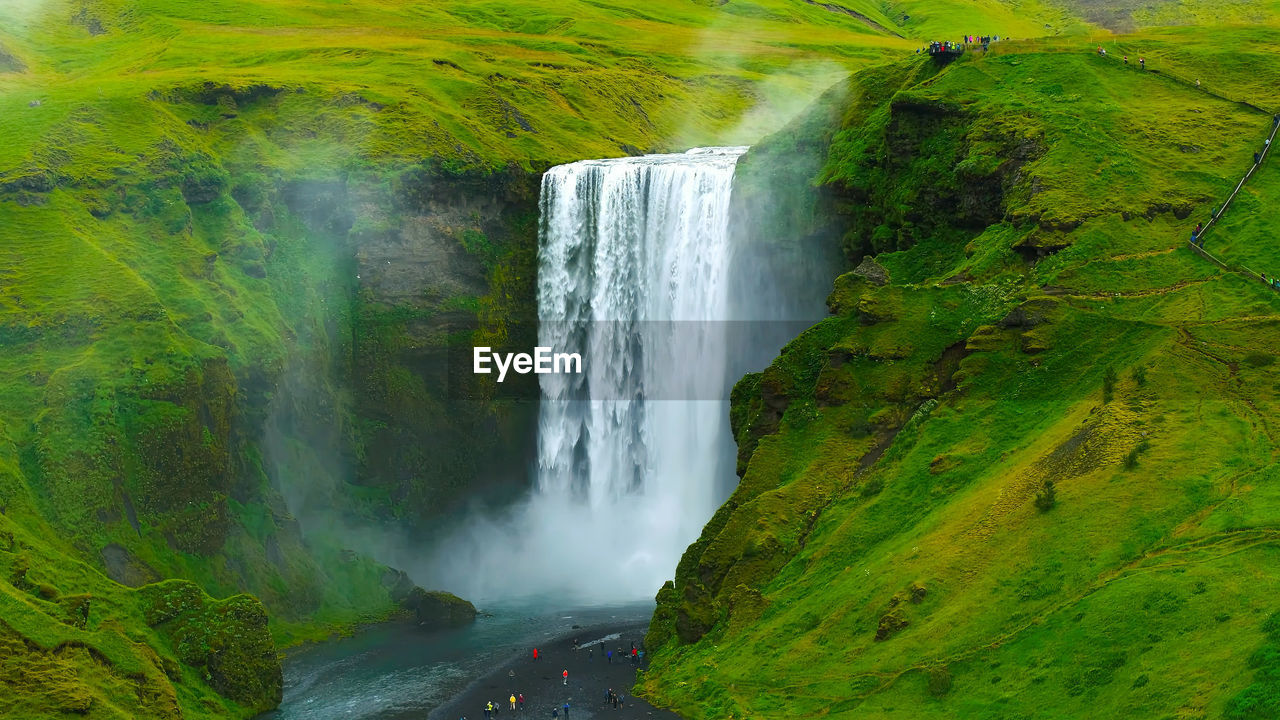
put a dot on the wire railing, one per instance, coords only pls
(1197, 243)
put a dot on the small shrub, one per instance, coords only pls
(1139, 376)
(250, 191)
(76, 609)
(859, 428)
(1258, 360)
(1047, 497)
(203, 182)
(18, 573)
(1131, 460)
(872, 487)
(890, 624)
(939, 681)
(1108, 384)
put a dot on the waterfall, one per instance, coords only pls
(633, 274)
(638, 273)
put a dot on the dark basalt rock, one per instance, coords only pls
(436, 608)
(432, 608)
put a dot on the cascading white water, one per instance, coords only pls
(633, 274)
(637, 273)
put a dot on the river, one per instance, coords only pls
(397, 670)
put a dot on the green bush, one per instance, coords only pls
(1047, 497)
(1140, 376)
(203, 182)
(939, 681)
(1261, 699)
(1131, 460)
(1258, 360)
(1108, 384)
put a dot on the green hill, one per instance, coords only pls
(239, 240)
(1029, 467)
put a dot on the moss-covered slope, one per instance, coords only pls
(1028, 469)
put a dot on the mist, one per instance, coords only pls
(628, 468)
(638, 273)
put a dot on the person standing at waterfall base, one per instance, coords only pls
(521, 701)
(513, 701)
(566, 677)
(566, 711)
(535, 654)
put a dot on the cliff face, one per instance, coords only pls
(449, 263)
(986, 483)
(223, 354)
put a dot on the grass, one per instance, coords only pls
(884, 555)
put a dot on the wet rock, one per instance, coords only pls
(433, 608)
(126, 569)
(1024, 316)
(396, 582)
(872, 271)
(436, 608)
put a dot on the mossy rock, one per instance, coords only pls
(662, 628)
(986, 338)
(436, 608)
(746, 606)
(228, 639)
(891, 623)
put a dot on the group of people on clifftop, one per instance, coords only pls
(940, 47)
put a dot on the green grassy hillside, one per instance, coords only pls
(1028, 469)
(235, 240)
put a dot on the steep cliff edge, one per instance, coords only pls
(1028, 466)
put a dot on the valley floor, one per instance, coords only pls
(542, 683)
